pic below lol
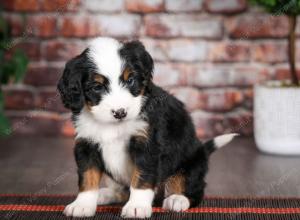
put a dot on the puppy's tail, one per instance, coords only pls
(218, 142)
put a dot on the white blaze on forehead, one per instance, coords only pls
(104, 52)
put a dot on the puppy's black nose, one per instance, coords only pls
(120, 113)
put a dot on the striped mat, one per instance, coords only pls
(39, 207)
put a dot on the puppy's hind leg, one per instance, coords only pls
(175, 194)
(112, 192)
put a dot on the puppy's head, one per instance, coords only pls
(108, 79)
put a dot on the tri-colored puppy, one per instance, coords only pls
(130, 133)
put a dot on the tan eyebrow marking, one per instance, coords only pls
(126, 74)
(99, 78)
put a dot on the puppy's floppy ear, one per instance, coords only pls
(70, 87)
(138, 58)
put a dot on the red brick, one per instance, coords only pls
(157, 48)
(37, 123)
(18, 98)
(187, 50)
(21, 5)
(210, 124)
(225, 6)
(62, 51)
(171, 25)
(191, 97)
(41, 26)
(221, 100)
(298, 50)
(229, 52)
(78, 26)
(49, 100)
(216, 100)
(219, 76)
(177, 49)
(16, 24)
(184, 5)
(248, 76)
(257, 26)
(30, 48)
(145, 6)
(103, 5)
(60, 6)
(283, 73)
(169, 75)
(207, 124)
(44, 75)
(125, 25)
(270, 52)
(248, 95)
(298, 27)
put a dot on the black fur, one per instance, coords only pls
(138, 59)
(77, 85)
(87, 156)
(171, 145)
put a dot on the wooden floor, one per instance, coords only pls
(46, 166)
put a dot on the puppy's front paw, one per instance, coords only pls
(176, 203)
(85, 205)
(134, 210)
(80, 210)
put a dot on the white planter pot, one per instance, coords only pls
(277, 118)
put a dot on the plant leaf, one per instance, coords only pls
(1, 101)
(4, 30)
(5, 128)
(20, 64)
(279, 7)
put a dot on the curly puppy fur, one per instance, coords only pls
(130, 132)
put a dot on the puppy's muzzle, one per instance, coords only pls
(119, 114)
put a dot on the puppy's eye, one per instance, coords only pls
(130, 81)
(97, 88)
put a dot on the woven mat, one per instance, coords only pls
(39, 207)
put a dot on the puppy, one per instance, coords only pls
(131, 134)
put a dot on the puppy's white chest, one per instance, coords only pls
(113, 142)
(115, 152)
(117, 160)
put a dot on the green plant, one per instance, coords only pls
(12, 69)
(291, 8)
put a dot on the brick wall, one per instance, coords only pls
(208, 53)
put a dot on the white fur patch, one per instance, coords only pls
(222, 140)
(85, 205)
(104, 53)
(108, 196)
(139, 204)
(118, 97)
(176, 203)
(111, 191)
(113, 139)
